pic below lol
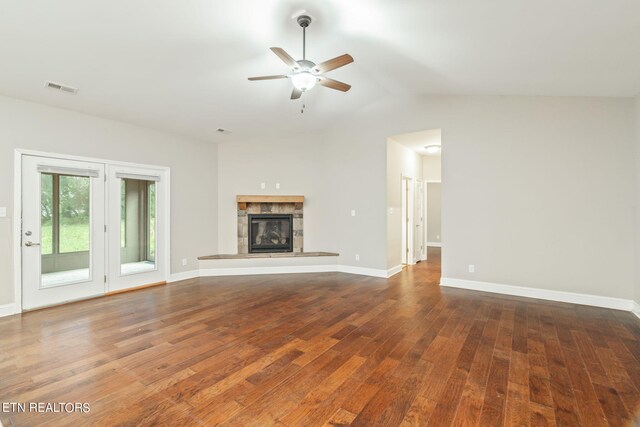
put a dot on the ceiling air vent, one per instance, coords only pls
(61, 87)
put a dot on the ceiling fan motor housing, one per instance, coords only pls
(304, 21)
(306, 65)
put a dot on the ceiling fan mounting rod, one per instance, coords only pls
(304, 21)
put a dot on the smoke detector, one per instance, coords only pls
(61, 87)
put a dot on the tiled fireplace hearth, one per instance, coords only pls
(270, 224)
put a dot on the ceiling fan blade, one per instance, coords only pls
(296, 94)
(334, 63)
(333, 84)
(286, 58)
(281, 76)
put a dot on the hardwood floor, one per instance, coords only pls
(323, 349)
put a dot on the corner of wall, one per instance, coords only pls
(637, 204)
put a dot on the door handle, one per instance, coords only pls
(31, 244)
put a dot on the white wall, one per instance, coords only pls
(193, 172)
(432, 168)
(432, 171)
(330, 177)
(400, 161)
(529, 181)
(637, 260)
(296, 164)
(434, 213)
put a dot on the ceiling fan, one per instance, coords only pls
(305, 74)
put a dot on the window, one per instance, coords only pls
(137, 226)
(65, 224)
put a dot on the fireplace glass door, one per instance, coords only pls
(270, 233)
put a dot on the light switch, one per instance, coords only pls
(3, 212)
(353, 212)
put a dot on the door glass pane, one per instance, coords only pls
(74, 214)
(65, 229)
(137, 226)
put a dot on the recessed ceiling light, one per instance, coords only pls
(432, 149)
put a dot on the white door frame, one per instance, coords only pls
(420, 254)
(426, 210)
(408, 223)
(17, 210)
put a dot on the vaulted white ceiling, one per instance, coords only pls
(182, 66)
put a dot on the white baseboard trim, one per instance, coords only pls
(184, 275)
(434, 244)
(636, 309)
(362, 271)
(291, 269)
(8, 309)
(242, 271)
(394, 270)
(545, 294)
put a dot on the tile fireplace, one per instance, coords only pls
(270, 224)
(270, 233)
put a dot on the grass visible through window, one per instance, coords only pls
(76, 237)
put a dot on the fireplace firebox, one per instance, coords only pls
(270, 233)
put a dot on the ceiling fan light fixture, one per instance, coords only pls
(433, 149)
(304, 80)
(305, 73)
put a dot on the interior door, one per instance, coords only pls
(136, 223)
(63, 238)
(420, 246)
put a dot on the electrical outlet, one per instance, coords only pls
(472, 268)
(353, 212)
(390, 211)
(184, 261)
(277, 185)
(3, 212)
(263, 185)
(357, 257)
(438, 237)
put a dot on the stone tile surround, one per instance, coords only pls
(294, 209)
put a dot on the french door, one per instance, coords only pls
(63, 239)
(136, 224)
(89, 228)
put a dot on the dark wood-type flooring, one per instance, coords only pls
(323, 349)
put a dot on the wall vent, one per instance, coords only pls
(61, 87)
